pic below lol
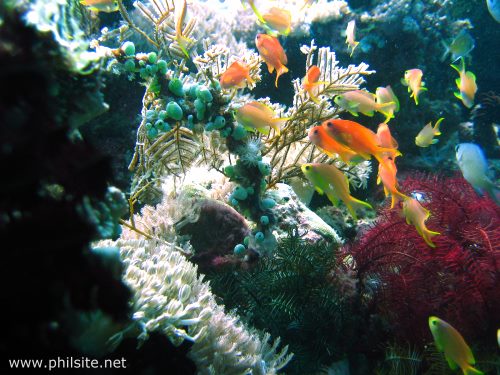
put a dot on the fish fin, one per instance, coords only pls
(270, 68)
(326, 152)
(458, 95)
(368, 113)
(281, 70)
(353, 48)
(319, 190)
(256, 11)
(458, 82)
(353, 113)
(264, 130)
(452, 364)
(456, 68)
(427, 235)
(403, 82)
(434, 141)
(446, 51)
(275, 125)
(422, 88)
(472, 371)
(332, 198)
(356, 204)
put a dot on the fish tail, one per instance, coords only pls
(472, 371)
(427, 236)
(446, 51)
(281, 70)
(355, 204)
(493, 192)
(436, 126)
(353, 48)
(256, 11)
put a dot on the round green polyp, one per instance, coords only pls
(175, 87)
(128, 48)
(174, 111)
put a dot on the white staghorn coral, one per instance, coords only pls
(169, 296)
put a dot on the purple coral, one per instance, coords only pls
(214, 235)
(406, 281)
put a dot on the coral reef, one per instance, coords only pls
(171, 298)
(406, 281)
(48, 177)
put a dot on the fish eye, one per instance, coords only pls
(316, 131)
(308, 167)
(329, 124)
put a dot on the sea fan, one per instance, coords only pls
(406, 281)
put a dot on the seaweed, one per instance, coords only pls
(292, 293)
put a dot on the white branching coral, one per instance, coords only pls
(218, 57)
(170, 297)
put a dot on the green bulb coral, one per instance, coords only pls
(174, 111)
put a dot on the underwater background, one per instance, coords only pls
(250, 187)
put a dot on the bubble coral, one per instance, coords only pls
(405, 281)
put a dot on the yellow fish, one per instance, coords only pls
(413, 79)
(273, 54)
(425, 137)
(182, 40)
(328, 179)
(385, 95)
(256, 115)
(107, 6)
(416, 215)
(466, 83)
(350, 34)
(362, 101)
(451, 342)
(277, 21)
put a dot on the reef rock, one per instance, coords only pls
(292, 213)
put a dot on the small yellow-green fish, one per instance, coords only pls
(416, 215)
(182, 40)
(258, 116)
(107, 6)
(277, 21)
(426, 136)
(385, 95)
(413, 79)
(350, 34)
(459, 47)
(328, 179)
(466, 83)
(362, 101)
(451, 342)
(498, 337)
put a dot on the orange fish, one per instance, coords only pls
(358, 138)
(310, 82)
(235, 75)
(277, 21)
(466, 84)
(387, 175)
(273, 54)
(413, 79)
(417, 215)
(257, 115)
(385, 138)
(328, 145)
